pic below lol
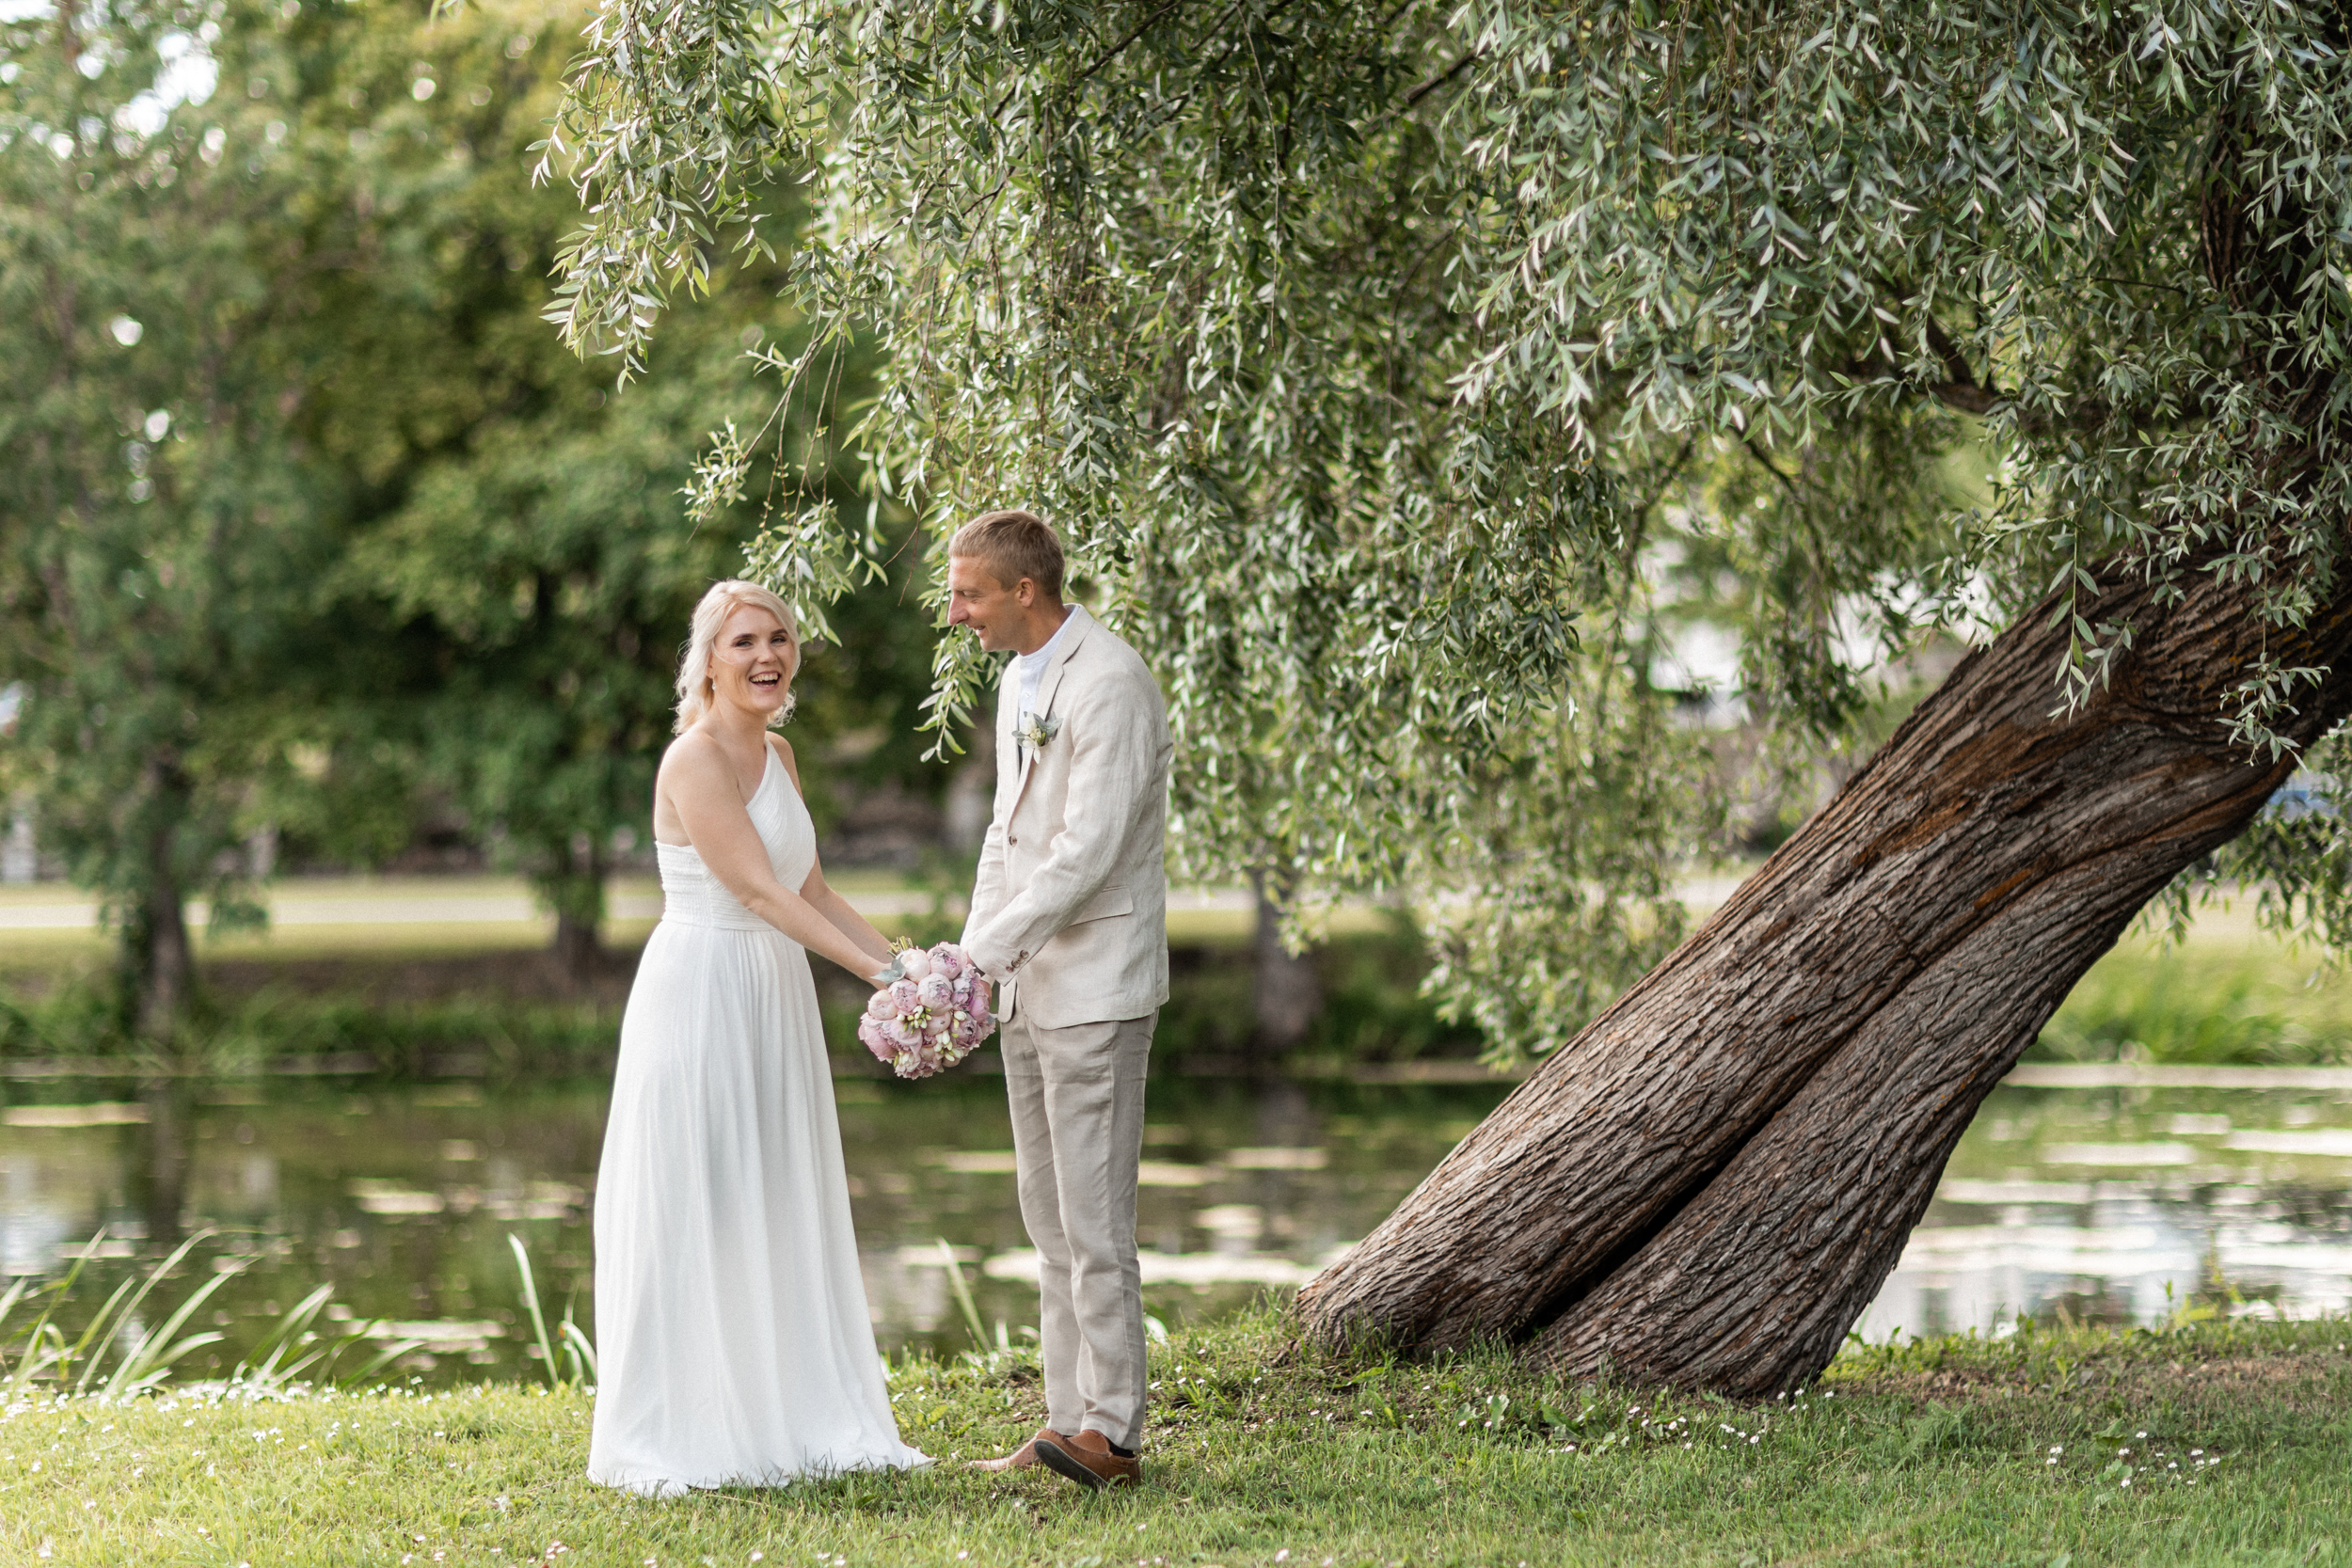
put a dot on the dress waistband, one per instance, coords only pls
(739, 919)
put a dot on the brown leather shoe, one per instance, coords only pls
(1021, 1458)
(1087, 1460)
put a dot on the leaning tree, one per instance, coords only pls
(1397, 367)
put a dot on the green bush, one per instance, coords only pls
(2183, 1006)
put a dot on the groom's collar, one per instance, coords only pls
(1057, 639)
(1073, 632)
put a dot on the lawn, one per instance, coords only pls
(2214, 1443)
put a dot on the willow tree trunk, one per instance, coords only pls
(1708, 1186)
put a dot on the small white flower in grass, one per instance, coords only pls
(1282, 1556)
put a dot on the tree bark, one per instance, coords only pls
(576, 891)
(163, 977)
(1286, 992)
(578, 950)
(1708, 1187)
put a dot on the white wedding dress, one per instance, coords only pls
(734, 1345)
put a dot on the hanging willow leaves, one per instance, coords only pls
(1392, 369)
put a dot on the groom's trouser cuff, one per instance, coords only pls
(1078, 1113)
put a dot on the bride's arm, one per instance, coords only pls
(821, 895)
(702, 787)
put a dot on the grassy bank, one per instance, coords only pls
(504, 1014)
(2219, 1443)
(2228, 994)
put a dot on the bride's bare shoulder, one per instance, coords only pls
(693, 758)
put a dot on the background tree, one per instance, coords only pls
(1372, 354)
(524, 527)
(162, 536)
(520, 528)
(321, 527)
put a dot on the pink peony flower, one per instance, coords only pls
(931, 1019)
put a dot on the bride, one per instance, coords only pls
(735, 1346)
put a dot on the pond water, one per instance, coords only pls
(2088, 1200)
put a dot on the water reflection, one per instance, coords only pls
(2089, 1201)
(2128, 1204)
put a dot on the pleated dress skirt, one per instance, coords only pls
(734, 1344)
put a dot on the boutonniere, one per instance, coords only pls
(1036, 729)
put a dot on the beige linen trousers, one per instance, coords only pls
(1070, 917)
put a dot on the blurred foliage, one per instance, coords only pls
(164, 536)
(2251, 1005)
(1375, 1012)
(342, 545)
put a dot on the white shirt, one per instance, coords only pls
(1031, 667)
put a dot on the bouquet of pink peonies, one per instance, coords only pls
(932, 1016)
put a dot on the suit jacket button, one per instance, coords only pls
(1013, 841)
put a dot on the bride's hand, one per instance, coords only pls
(896, 970)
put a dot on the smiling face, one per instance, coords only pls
(1004, 617)
(753, 662)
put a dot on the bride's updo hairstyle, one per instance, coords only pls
(693, 665)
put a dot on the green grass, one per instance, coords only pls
(2228, 994)
(503, 1011)
(1940, 1452)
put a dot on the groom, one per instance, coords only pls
(1070, 917)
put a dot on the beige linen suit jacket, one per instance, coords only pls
(1070, 910)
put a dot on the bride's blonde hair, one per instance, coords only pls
(693, 665)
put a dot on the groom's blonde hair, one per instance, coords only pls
(1012, 545)
(693, 665)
